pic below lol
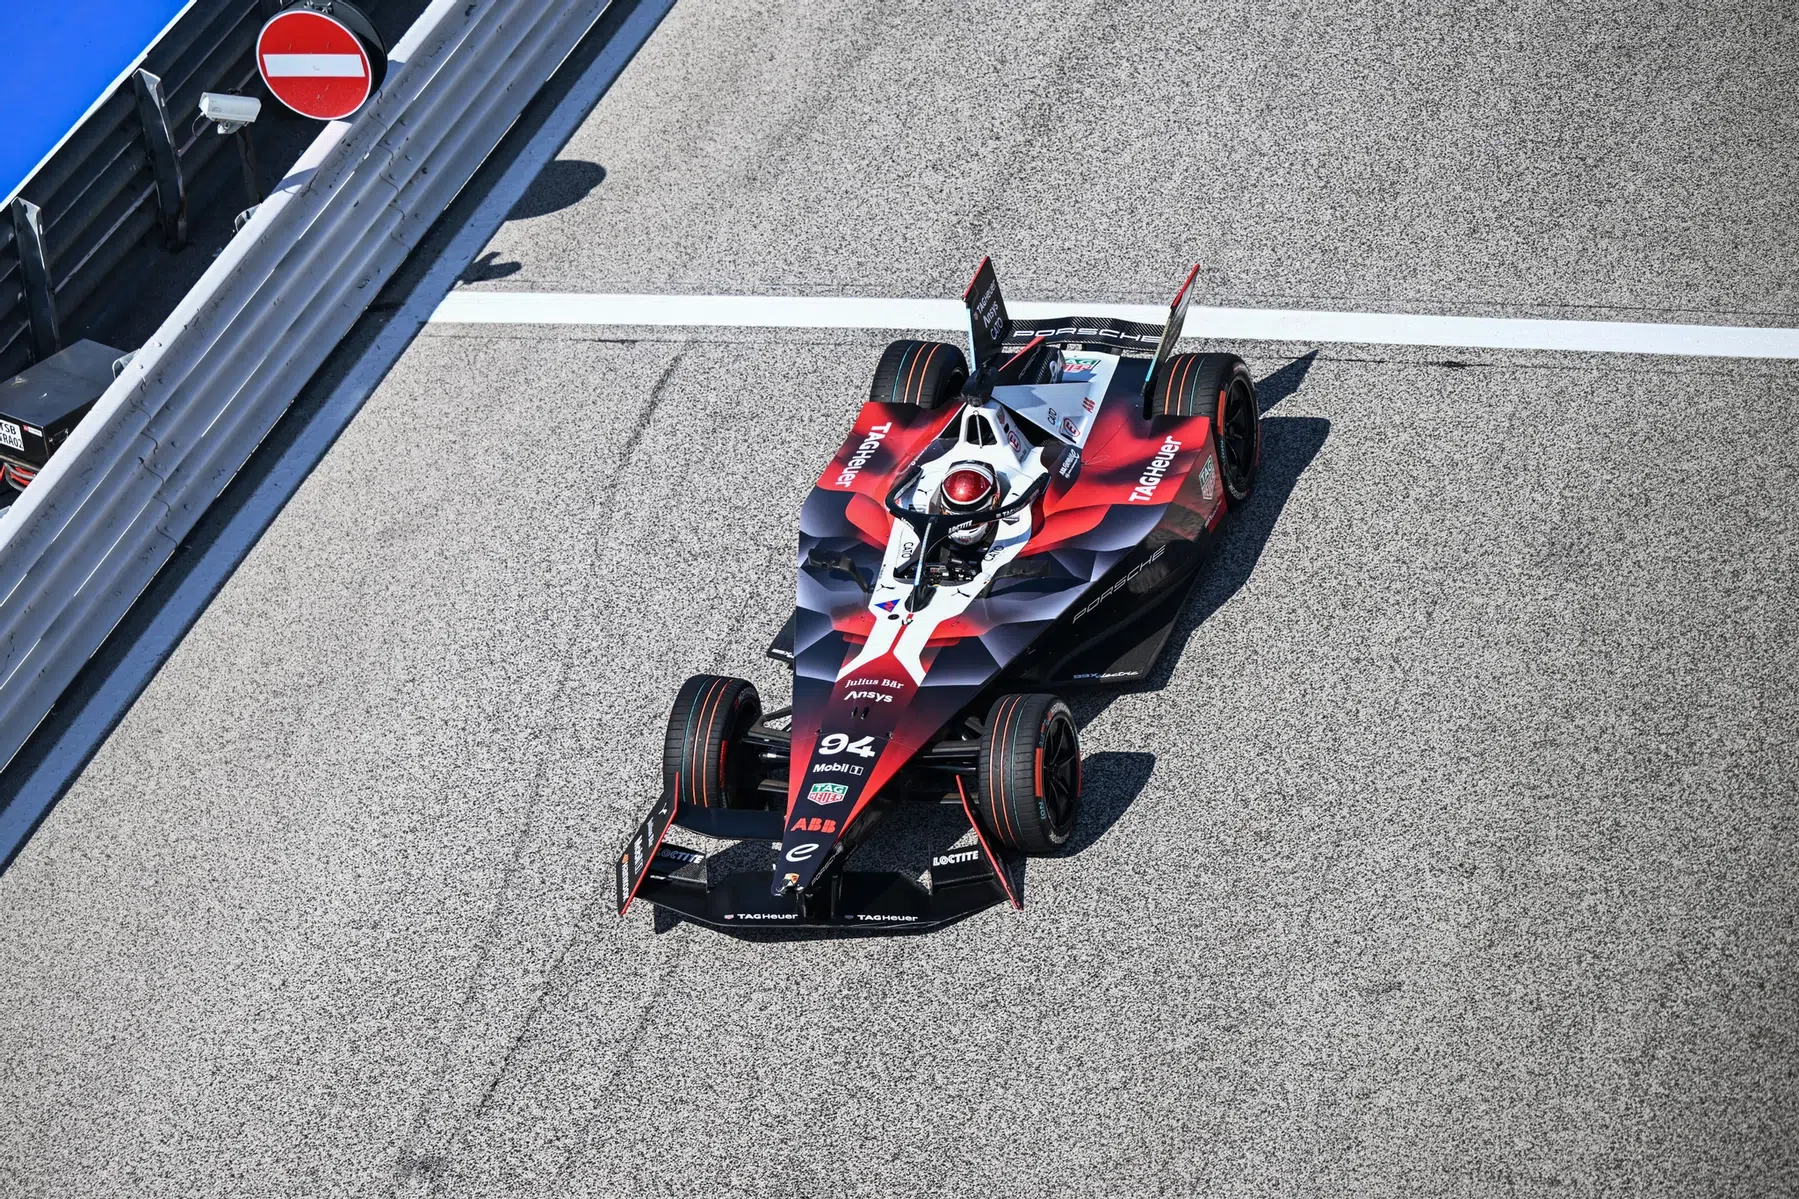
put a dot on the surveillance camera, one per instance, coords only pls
(231, 113)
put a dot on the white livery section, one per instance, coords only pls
(984, 433)
(1065, 410)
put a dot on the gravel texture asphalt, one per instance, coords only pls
(1605, 158)
(1451, 853)
(1452, 850)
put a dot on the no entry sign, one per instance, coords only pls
(314, 64)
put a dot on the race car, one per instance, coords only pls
(996, 527)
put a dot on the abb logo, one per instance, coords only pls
(813, 824)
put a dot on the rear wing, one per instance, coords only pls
(1171, 332)
(992, 332)
(989, 326)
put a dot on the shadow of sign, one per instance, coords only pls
(562, 184)
(487, 268)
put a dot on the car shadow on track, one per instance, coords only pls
(1111, 780)
(1289, 445)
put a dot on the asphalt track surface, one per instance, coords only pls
(1451, 852)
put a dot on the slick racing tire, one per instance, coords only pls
(703, 754)
(1218, 386)
(924, 374)
(1028, 783)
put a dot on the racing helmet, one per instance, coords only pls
(966, 487)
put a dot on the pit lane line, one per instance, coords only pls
(1239, 324)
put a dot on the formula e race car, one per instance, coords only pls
(982, 538)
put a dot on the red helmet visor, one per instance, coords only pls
(965, 487)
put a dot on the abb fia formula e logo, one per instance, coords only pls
(1145, 490)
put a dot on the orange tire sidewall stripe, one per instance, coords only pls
(999, 715)
(1171, 401)
(687, 751)
(715, 697)
(1005, 747)
(1004, 791)
(899, 373)
(921, 373)
(1077, 760)
(985, 782)
(1224, 399)
(690, 751)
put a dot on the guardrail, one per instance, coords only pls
(91, 532)
(120, 175)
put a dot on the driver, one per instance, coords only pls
(968, 487)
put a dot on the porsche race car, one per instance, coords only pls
(997, 527)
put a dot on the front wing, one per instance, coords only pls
(963, 881)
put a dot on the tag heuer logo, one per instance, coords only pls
(827, 793)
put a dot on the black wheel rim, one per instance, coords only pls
(1237, 439)
(1061, 770)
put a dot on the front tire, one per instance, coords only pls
(1028, 784)
(925, 374)
(703, 754)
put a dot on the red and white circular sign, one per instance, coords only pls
(313, 64)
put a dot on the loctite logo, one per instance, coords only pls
(863, 453)
(1145, 490)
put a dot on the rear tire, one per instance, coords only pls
(924, 374)
(1218, 386)
(1028, 784)
(703, 754)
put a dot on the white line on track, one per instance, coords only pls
(1237, 324)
